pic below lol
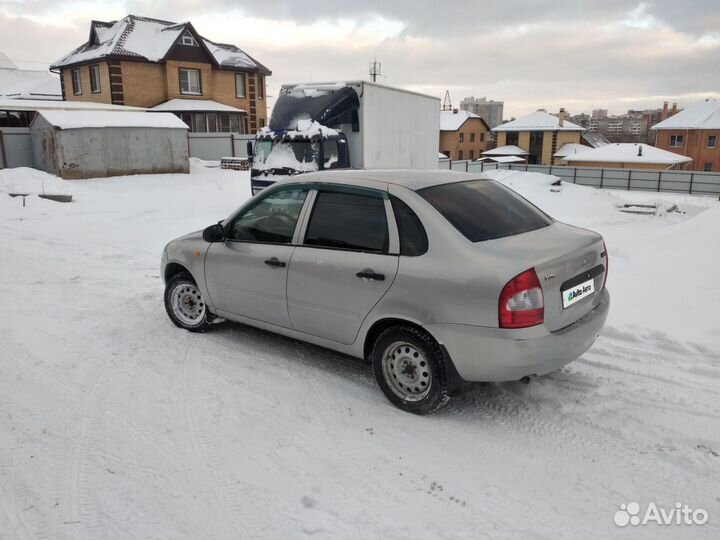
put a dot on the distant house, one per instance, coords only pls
(541, 134)
(506, 154)
(627, 156)
(18, 83)
(463, 135)
(695, 133)
(146, 62)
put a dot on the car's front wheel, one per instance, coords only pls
(184, 303)
(409, 366)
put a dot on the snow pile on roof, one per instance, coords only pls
(101, 119)
(150, 39)
(704, 115)
(508, 150)
(538, 121)
(312, 90)
(452, 120)
(628, 153)
(31, 181)
(27, 84)
(502, 159)
(571, 149)
(5, 62)
(180, 105)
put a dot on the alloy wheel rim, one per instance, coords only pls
(187, 304)
(407, 371)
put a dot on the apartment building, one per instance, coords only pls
(489, 110)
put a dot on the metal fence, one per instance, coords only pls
(214, 146)
(15, 148)
(692, 182)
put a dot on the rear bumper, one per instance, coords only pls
(494, 354)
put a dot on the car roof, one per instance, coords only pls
(380, 178)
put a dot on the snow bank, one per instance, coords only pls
(27, 180)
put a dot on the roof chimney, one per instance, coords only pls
(455, 111)
(562, 115)
(665, 110)
(674, 109)
(639, 150)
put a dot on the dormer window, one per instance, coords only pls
(188, 39)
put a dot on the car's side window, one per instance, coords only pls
(345, 220)
(413, 239)
(271, 219)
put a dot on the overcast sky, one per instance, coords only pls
(577, 54)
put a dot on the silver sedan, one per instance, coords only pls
(438, 278)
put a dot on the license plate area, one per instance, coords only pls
(577, 293)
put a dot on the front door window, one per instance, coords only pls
(271, 219)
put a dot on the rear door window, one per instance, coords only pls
(413, 239)
(344, 220)
(484, 209)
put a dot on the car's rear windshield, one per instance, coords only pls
(484, 209)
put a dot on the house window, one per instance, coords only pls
(240, 85)
(707, 167)
(188, 39)
(262, 122)
(95, 79)
(190, 82)
(261, 87)
(187, 118)
(212, 123)
(472, 138)
(245, 128)
(460, 155)
(462, 137)
(76, 82)
(712, 141)
(482, 137)
(200, 123)
(472, 154)
(676, 140)
(512, 138)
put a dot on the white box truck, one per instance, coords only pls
(339, 125)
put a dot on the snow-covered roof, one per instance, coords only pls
(452, 120)
(27, 84)
(5, 62)
(102, 119)
(703, 115)
(571, 149)
(502, 159)
(508, 150)
(595, 140)
(9, 104)
(628, 153)
(152, 40)
(538, 121)
(183, 105)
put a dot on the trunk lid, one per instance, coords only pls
(564, 258)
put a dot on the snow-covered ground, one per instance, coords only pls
(116, 424)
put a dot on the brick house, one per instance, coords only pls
(695, 133)
(137, 61)
(541, 134)
(463, 135)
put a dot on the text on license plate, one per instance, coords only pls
(578, 292)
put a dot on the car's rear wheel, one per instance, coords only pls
(410, 368)
(184, 303)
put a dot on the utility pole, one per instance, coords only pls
(375, 68)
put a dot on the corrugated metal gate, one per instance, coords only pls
(15, 148)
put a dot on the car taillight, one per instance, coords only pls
(607, 263)
(521, 302)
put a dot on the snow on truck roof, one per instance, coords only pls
(703, 115)
(104, 119)
(331, 86)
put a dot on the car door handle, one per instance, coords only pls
(370, 274)
(275, 263)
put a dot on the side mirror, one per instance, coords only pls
(249, 149)
(214, 233)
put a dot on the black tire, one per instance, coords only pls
(184, 279)
(436, 395)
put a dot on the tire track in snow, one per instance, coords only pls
(204, 448)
